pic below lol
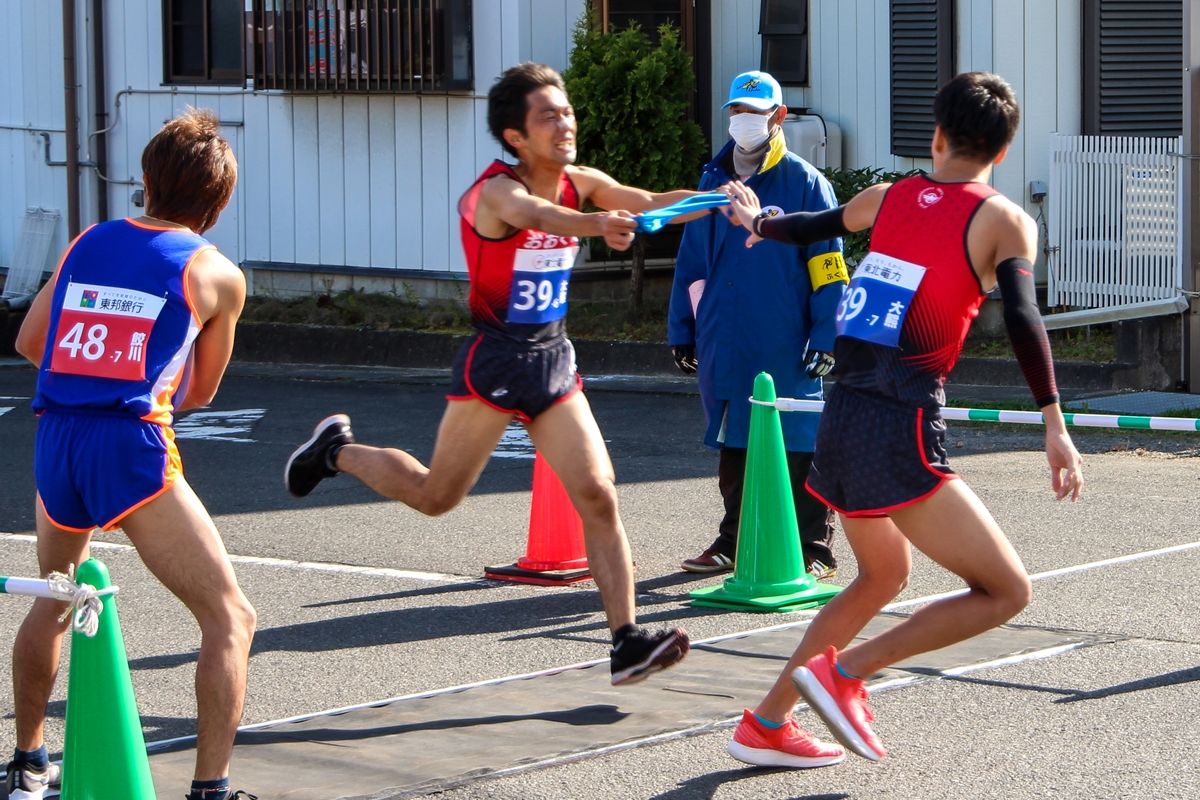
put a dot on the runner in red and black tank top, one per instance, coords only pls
(531, 308)
(923, 222)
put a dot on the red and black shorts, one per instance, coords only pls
(875, 454)
(515, 377)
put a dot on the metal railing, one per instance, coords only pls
(1115, 221)
(389, 46)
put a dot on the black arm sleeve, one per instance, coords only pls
(1026, 330)
(802, 227)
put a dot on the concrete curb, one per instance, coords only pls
(325, 352)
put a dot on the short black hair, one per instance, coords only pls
(508, 98)
(978, 113)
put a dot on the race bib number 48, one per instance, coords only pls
(103, 332)
(878, 298)
(541, 277)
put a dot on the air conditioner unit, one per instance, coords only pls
(809, 136)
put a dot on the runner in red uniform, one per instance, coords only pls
(938, 245)
(520, 226)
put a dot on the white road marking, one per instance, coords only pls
(310, 566)
(5, 409)
(221, 426)
(705, 728)
(515, 443)
(884, 686)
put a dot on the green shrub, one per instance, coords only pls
(846, 184)
(631, 98)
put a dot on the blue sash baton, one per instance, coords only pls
(653, 221)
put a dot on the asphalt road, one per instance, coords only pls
(361, 599)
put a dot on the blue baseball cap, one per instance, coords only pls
(755, 89)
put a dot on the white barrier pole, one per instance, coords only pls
(1121, 421)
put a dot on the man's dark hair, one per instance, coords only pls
(979, 114)
(508, 98)
(190, 170)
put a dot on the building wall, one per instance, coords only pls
(1034, 44)
(371, 182)
(330, 180)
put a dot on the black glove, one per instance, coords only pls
(819, 364)
(685, 358)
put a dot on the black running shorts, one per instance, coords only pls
(875, 454)
(514, 377)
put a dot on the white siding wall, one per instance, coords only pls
(31, 102)
(324, 180)
(849, 71)
(372, 181)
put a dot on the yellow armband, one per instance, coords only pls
(827, 268)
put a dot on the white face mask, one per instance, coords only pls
(749, 130)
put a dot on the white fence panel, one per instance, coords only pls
(1116, 225)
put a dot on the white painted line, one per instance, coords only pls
(221, 426)
(1054, 573)
(514, 443)
(884, 686)
(383, 572)
(312, 566)
(5, 409)
(151, 746)
(351, 569)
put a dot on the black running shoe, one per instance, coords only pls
(229, 795)
(641, 652)
(25, 783)
(310, 463)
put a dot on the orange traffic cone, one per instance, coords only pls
(555, 554)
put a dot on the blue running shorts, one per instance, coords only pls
(513, 377)
(93, 468)
(875, 454)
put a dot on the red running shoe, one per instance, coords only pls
(841, 702)
(787, 746)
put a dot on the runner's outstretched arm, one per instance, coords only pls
(803, 227)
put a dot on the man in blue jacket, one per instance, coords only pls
(736, 312)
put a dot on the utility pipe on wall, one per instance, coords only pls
(71, 121)
(101, 103)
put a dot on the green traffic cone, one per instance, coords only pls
(105, 752)
(768, 573)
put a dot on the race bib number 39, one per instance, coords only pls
(541, 277)
(878, 298)
(103, 332)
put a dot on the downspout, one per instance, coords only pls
(71, 121)
(100, 157)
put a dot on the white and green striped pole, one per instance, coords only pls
(85, 600)
(33, 587)
(1122, 421)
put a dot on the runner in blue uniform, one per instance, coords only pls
(136, 325)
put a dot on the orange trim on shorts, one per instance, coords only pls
(60, 526)
(171, 472)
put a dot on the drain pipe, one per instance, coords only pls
(100, 102)
(71, 122)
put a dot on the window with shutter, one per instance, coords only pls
(1133, 67)
(922, 57)
(783, 25)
